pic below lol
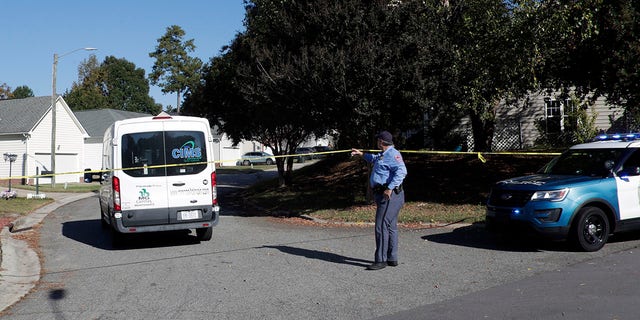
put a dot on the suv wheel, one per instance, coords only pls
(591, 229)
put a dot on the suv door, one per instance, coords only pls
(628, 185)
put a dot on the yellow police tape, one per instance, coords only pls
(479, 155)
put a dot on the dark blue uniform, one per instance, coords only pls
(388, 173)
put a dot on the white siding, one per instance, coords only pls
(92, 156)
(525, 113)
(535, 109)
(229, 156)
(14, 145)
(34, 148)
(605, 114)
(69, 147)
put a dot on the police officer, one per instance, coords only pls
(386, 181)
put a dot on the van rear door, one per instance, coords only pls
(188, 171)
(143, 189)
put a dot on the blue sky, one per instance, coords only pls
(33, 30)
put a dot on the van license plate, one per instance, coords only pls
(189, 214)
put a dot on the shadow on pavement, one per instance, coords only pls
(624, 236)
(320, 255)
(231, 185)
(90, 232)
(475, 236)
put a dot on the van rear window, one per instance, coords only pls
(153, 154)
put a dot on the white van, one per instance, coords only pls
(159, 175)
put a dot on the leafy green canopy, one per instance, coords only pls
(22, 92)
(594, 49)
(351, 68)
(114, 83)
(174, 70)
(302, 68)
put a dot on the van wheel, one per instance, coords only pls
(246, 163)
(204, 234)
(591, 229)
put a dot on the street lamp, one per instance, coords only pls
(53, 111)
(11, 157)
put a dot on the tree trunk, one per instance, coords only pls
(280, 163)
(482, 132)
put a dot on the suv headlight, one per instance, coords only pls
(550, 195)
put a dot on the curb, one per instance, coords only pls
(20, 268)
(454, 225)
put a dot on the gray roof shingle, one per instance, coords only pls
(96, 121)
(21, 115)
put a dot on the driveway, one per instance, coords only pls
(266, 268)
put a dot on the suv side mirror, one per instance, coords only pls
(629, 172)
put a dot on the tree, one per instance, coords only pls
(115, 83)
(595, 51)
(422, 91)
(5, 91)
(302, 68)
(493, 61)
(174, 70)
(89, 91)
(126, 86)
(22, 92)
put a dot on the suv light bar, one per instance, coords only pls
(617, 136)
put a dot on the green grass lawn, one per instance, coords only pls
(21, 206)
(69, 187)
(24, 206)
(438, 189)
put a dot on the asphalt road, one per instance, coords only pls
(262, 268)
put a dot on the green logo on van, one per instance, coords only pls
(144, 194)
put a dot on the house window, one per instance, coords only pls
(553, 108)
(556, 114)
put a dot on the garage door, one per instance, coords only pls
(64, 163)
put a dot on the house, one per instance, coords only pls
(227, 153)
(98, 120)
(516, 129)
(224, 151)
(95, 122)
(25, 130)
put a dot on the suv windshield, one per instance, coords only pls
(584, 162)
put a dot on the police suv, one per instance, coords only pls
(587, 193)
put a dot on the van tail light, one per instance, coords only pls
(115, 184)
(214, 189)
